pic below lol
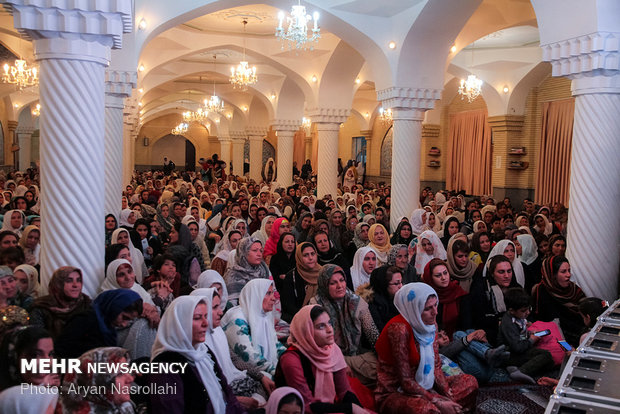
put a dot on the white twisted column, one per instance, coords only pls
(225, 144)
(24, 139)
(71, 89)
(406, 156)
(238, 143)
(255, 135)
(118, 86)
(328, 122)
(595, 169)
(286, 131)
(408, 107)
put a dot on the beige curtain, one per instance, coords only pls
(469, 153)
(553, 176)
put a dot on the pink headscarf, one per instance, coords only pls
(325, 360)
(272, 242)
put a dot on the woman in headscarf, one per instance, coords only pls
(181, 336)
(280, 226)
(285, 400)
(27, 278)
(429, 246)
(245, 385)
(451, 226)
(14, 221)
(121, 236)
(212, 279)
(460, 267)
(284, 260)
(163, 218)
(300, 283)
(480, 247)
(453, 308)
(110, 225)
(487, 295)
(187, 254)
(364, 262)
(385, 281)
(228, 243)
(264, 231)
(360, 239)
(557, 297)
(250, 330)
(418, 221)
(250, 265)
(269, 171)
(28, 399)
(98, 326)
(508, 249)
(115, 400)
(325, 388)
(403, 234)
(29, 242)
(380, 242)
(530, 260)
(336, 229)
(350, 318)
(409, 372)
(65, 300)
(399, 256)
(542, 225)
(302, 227)
(127, 219)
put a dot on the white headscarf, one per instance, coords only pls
(410, 301)
(6, 223)
(417, 224)
(421, 257)
(31, 399)
(110, 282)
(529, 249)
(358, 274)
(208, 278)
(175, 335)
(517, 267)
(34, 288)
(137, 259)
(216, 340)
(124, 216)
(548, 226)
(262, 328)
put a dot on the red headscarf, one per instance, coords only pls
(448, 300)
(326, 360)
(271, 246)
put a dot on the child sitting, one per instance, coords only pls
(525, 360)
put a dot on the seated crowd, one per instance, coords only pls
(280, 302)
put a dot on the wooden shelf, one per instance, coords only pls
(521, 167)
(522, 152)
(517, 153)
(433, 165)
(434, 154)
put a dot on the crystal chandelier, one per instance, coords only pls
(297, 32)
(385, 115)
(214, 103)
(20, 74)
(180, 129)
(243, 75)
(36, 111)
(306, 123)
(470, 88)
(199, 115)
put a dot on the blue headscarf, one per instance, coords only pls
(108, 305)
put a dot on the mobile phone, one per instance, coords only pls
(565, 345)
(542, 333)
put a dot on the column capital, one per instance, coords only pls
(102, 21)
(237, 136)
(26, 130)
(224, 139)
(256, 131)
(329, 115)
(582, 56)
(120, 82)
(12, 125)
(596, 84)
(407, 98)
(286, 124)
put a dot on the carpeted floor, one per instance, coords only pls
(511, 398)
